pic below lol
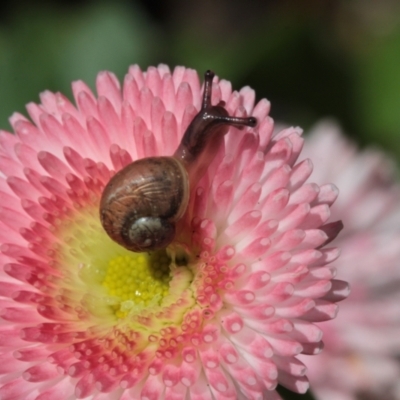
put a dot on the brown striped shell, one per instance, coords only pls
(142, 202)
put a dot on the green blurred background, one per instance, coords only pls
(311, 58)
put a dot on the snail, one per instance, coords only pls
(142, 203)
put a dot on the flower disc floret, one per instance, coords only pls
(137, 280)
(222, 313)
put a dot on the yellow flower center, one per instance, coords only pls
(109, 283)
(138, 280)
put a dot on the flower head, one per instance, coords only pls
(362, 344)
(222, 313)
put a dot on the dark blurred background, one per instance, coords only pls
(311, 58)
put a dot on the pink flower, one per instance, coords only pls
(222, 314)
(362, 344)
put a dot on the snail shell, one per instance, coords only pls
(141, 204)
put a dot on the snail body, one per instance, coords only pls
(142, 203)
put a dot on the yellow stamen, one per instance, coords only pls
(137, 280)
(109, 282)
